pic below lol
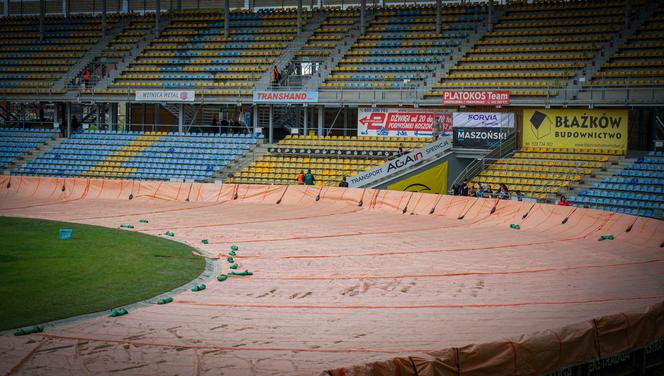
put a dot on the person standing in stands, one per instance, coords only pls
(401, 152)
(563, 201)
(86, 77)
(215, 125)
(343, 183)
(309, 178)
(300, 178)
(464, 187)
(275, 75)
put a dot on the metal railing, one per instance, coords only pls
(504, 148)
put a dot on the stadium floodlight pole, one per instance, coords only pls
(306, 120)
(227, 18)
(156, 18)
(299, 17)
(41, 20)
(439, 22)
(363, 11)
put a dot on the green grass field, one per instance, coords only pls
(43, 278)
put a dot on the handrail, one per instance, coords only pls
(506, 147)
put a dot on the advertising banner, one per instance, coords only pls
(261, 96)
(400, 164)
(483, 120)
(480, 138)
(476, 97)
(402, 122)
(432, 180)
(165, 95)
(481, 130)
(567, 128)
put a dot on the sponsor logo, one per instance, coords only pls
(540, 125)
(399, 163)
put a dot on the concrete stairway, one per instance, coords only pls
(461, 51)
(614, 165)
(258, 151)
(133, 54)
(289, 52)
(91, 53)
(339, 52)
(32, 154)
(606, 52)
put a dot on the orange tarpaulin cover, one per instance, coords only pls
(357, 282)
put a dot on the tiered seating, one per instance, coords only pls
(127, 39)
(192, 53)
(16, 142)
(401, 47)
(141, 155)
(535, 50)
(28, 65)
(344, 156)
(336, 26)
(640, 62)
(636, 190)
(537, 172)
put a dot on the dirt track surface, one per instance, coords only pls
(337, 284)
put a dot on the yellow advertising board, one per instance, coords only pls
(432, 180)
(567, 128)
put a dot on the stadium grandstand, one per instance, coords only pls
(524, 107)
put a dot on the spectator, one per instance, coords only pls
(401, 152)
(215, 125)
(464, 187)
(503, 193)
(456, 189)
(563, 201)
(86, 77)
(275, 75)
(472, 192)
(487, 190)
(343, 183)
(519, 196)
(75, 126)
(309, 178)
(300, 178)
(435, 129)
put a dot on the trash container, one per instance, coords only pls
(65, 233)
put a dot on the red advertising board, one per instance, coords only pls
(476, 97)
(405, 122)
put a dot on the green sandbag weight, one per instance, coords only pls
(244, 273)
(165, 300)
(230, 260)
(516, 227)
(199, 287)
(118, 312)
(222, 278)
(232, 253)
(143, 220)
(605, 237)
(126, 226)
(234, 248)
(204, 241)
(168, 233)
(234, 266)
(32, 330)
